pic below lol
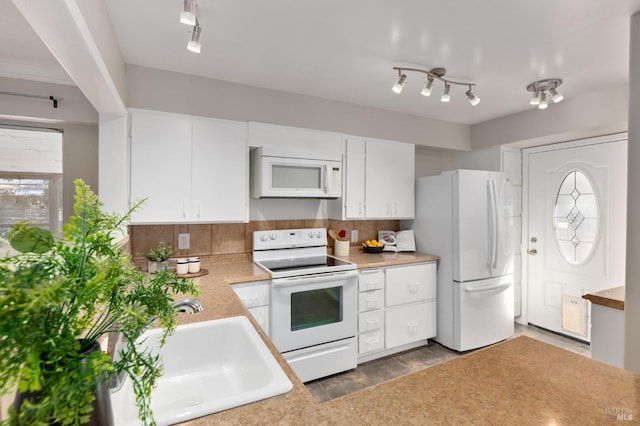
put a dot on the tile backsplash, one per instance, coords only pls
(236, 238)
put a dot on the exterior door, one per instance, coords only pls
(575, 235)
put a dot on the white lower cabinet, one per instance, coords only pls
(407, 324)
(397, 309)
(255, 297)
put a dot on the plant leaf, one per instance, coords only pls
(29, 239)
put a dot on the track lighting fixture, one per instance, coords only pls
(432, 75)
(402, 80)
(194, 44)
(188, 14)
(426, 90)
(543, 90)
(471, 97)
(445, 93)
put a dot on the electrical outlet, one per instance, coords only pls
(354, 236)
(184, 240)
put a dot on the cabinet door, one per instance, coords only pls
(403, 197)
(219, 182)
(354, 182)
(407, 324)
(407, 284)
(390, 174)
(160, 165)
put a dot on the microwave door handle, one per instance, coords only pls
(326, 179)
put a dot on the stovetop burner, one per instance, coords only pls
(292, 252)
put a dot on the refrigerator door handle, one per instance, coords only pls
(494, 216)
(487, 288)
(489, 225)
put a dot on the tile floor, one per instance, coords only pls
(387, 368)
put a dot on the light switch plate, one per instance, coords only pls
(354, 236)
(184, 241)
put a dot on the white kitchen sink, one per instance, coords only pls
(209, 366)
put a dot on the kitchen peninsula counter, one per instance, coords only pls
(521, 381)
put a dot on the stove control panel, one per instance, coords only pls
(289, 238)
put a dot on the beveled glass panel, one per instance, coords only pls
(587, 205)
(576, 218)
(568, 185)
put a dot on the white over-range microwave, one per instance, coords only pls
(289, 177)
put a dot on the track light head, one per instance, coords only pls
(188, 14)
(555, 95)
(445, 93)
(426, 90)
(471, 97)
(543, 101)
(194, 44)
(402, 80)
(542, 90)
(535, 98)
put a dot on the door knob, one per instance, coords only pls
(534, 240)
(533, 252)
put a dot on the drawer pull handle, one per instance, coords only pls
(372, 302)
(372, 341)
(372, 284)
(372, 321)
(413, 287)
(412, 324)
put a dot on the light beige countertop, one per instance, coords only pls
(386, 258)
(612, 298)
(521, 381)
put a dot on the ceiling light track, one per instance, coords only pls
(432, 75)
(544, 89)
(54, 99)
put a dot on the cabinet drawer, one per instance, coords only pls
(261, 315)
(406, 284)
(407, 324)
(371, 342)
(253, 294)
(371, 300)
(372, 279)
(369, 321)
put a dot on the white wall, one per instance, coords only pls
(174, 92)
(597, 113)
(632, 287)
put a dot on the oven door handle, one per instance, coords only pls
(315, 278)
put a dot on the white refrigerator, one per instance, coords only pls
(466, 218)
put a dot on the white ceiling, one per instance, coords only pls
(345, 50)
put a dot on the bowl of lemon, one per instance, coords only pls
(373, 246)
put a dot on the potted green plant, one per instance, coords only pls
(157, 257)
(58, 296)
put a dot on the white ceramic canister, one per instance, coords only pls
(341, 248)
(194, 265)
(182, 266)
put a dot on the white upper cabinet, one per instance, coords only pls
(354, 178)
(189, 169)
(379, 175)
(285, 141)
(219, 182)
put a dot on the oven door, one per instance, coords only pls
(312, 309)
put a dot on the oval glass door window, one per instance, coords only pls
(575, 218)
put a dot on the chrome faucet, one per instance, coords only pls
(189, 306)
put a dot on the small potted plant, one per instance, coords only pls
(58, 296)
(157, 257)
